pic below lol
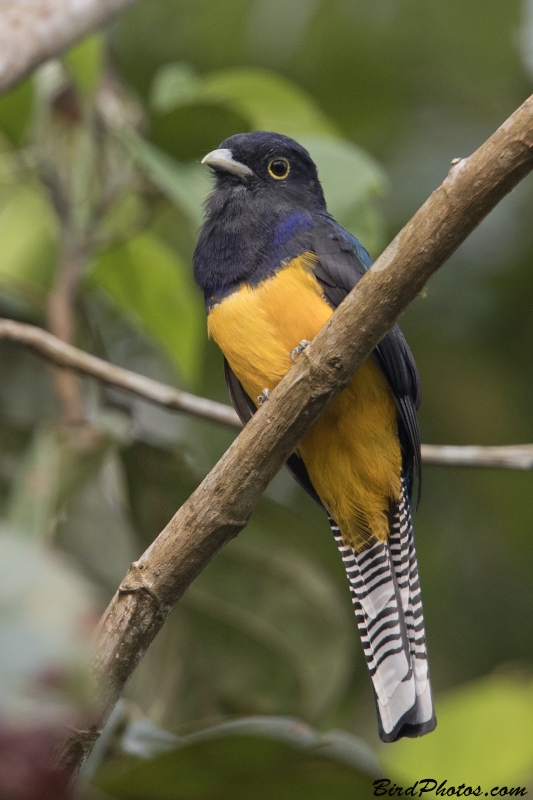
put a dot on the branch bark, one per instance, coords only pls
(224, 501)
(32, 31)
(518, 456)
(62, 323)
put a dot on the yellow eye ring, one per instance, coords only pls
(279, 168)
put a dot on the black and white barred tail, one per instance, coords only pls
(386, 596)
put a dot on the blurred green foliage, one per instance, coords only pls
(465, 748)
(156, 297)
(102, 150)
(46, 613)
(255, 757)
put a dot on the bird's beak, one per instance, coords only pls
(223, 161)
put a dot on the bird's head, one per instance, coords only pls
(260, 213)
(269, 165)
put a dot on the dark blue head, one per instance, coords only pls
(260, 212)
(269, 163)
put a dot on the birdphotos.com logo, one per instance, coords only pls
(384, 787)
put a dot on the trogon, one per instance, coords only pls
(273, 266)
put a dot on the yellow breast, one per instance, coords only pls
(352, 453)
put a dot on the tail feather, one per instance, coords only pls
(386, 596)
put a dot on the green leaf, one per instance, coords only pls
(96, 529)
(28, 232)
(84, 62)
(274, 628)
(174, 85)
(153, 286)
(16, 110)
(59, 461)
(190, 131)
(483, 737)
(145, 740)
(186, 185)
(253, 757)
(269, 101)
(352, 181)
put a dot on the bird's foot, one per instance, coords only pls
(265, 394)
(298, 350)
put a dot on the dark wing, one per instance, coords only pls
(245, 409)
(342, 262)
(239, 399)
(384, 578)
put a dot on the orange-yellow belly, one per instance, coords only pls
(352, 453)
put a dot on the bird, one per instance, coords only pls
(273, 265)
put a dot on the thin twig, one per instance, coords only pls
(515, 456)
(65, 355)
(221, 506)
(62, 323)
(518, 456)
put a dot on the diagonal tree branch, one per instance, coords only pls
(32, 31)
(517, 456)
(224, 501)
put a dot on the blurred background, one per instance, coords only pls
(101, 196)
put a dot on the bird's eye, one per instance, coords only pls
(279, 168)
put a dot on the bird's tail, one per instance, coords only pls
(386, 596)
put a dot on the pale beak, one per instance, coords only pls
(223, 161)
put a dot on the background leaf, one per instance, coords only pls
(352, 183)
(483, 736)
(150, 283)
(174, 85)
(45, 611)
(266, 99)
(95, 527)
(281, 617)
(29, 242)
(245, 758)
(56, 464)
(185, 184)
(16, 108)
(85, 61)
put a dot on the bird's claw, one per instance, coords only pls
(265, 394)
(298, 350)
